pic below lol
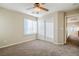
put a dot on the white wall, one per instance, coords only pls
(11, 28)
(72, 12)
(59, 27)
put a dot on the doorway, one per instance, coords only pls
(72, 29)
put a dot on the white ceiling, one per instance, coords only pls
(22, 7)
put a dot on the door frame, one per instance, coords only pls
(66, 25)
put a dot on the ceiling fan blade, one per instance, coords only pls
(44, 8)
(43, 3)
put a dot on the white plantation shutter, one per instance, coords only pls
(30, 27)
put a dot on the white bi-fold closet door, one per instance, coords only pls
(49, 29)
(45, 30)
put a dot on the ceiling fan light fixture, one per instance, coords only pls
(37, 9)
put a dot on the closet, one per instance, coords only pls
(46, 29)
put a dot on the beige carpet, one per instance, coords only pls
(40, 48)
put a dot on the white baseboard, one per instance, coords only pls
(53, 42)
(16, 43)
(58, 43)
(28, 41)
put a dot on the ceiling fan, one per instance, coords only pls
(38, 6)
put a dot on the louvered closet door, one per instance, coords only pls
(49, 31)
(41, 30)
(46, 30)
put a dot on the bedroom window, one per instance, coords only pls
(30, 26)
